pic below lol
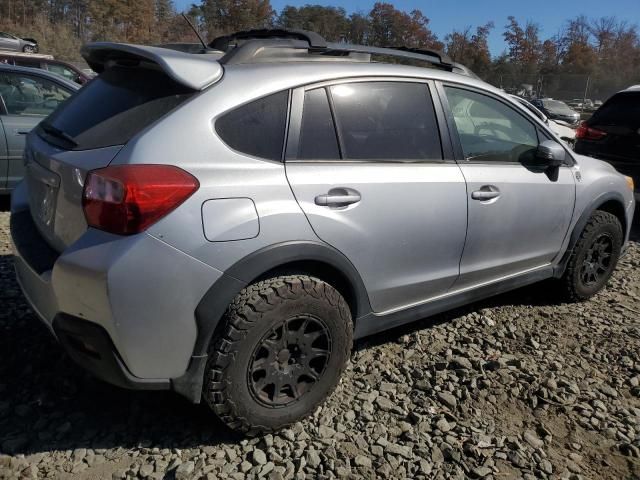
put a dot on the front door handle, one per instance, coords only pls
(338, 197)
(487, 192)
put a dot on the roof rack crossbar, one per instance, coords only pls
(314, 40)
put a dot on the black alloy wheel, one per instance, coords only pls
(597, 260)
(289, 361)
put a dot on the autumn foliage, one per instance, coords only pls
(606, 50)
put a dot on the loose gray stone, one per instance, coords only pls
(259, 457)
(362, 461)
(448, 399)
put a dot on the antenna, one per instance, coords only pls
(204, 45)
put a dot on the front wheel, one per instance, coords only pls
(595, 256)
(29, 49)
(284, 345)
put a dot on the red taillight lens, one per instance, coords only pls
(127, 199)
(585, 132)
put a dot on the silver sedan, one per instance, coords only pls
(16, 44)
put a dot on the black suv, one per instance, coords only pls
(613, 133)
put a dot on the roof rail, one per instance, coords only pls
(431, 56)
(187, 47)
(264, 45)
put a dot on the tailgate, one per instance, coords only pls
(55, 179)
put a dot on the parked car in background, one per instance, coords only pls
(581, 104)
(17, 44)
(47, 62)
(563, 129)
(576, 103)
(557, 110)
(225, 223)
(26, 97)
(613, 133)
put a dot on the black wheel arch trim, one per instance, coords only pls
(594, 205)
(244, 272)
(216, 300)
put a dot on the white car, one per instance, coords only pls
(565, 131)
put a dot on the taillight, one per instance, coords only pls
(585, 132)
(127, 199)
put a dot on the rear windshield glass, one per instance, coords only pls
(113, 108)
(622, 109)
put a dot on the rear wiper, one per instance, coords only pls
(56, 132)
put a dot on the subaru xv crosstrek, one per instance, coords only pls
(224, 224)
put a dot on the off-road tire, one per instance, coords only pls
(601, 223)
(254, 313)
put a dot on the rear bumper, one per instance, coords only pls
(90, 346)
(133, 298)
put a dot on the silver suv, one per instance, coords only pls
(224, 224)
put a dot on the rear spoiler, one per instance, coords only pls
(196, 71)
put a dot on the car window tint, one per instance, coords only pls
(25, 95)
(621, 110)
(317, 133)
(21, 62)
(137, 97)
(257, 128)
(489, 130)
(63, 70)
(386, 121)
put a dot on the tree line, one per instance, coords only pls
(606, 49)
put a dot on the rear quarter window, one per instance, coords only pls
(257, 128)
(115, 106)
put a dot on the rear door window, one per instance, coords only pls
(113, 108)
(386, 121)
(257, 128)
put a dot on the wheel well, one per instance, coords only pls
(614, 207)
(323, 271)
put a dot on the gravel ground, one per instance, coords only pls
(518, 386)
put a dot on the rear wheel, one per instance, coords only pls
(595, 256)
(29, 49)
(284, 344)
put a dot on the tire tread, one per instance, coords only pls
(246, 309)
(598, 220)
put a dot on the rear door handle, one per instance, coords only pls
(487, 192)
(338, 197)
(22, 132)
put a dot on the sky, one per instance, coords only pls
(447, 15)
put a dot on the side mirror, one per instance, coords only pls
(551, 153)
